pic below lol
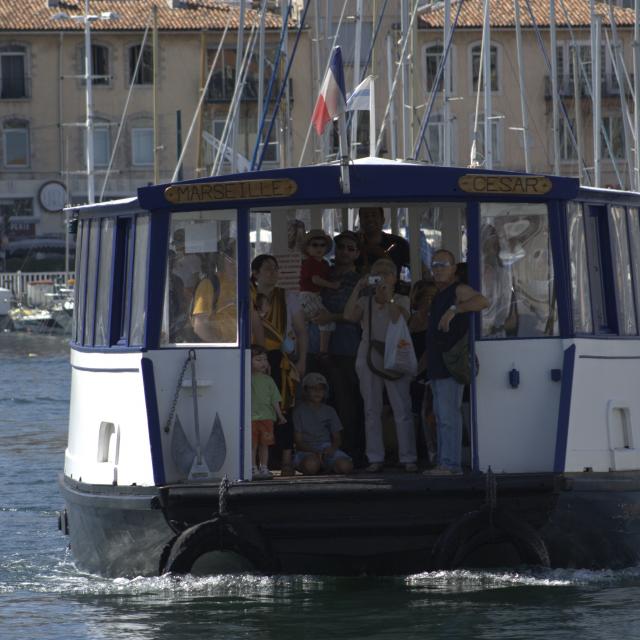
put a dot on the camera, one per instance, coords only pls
(373, 280)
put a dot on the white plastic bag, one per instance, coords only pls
(399, 355)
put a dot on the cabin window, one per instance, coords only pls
(80, 284)
(138, 296)
(92, 274)
(627, 324)
(201, 286)
(580, 294)
(123, 276)
(103, 295)
(633, 225)
(517, 271)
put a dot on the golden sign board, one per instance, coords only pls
(235, 190)
(513, 185)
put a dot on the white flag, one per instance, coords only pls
(359, 100)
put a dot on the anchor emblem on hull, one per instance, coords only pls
(198, 462)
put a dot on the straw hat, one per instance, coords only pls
(314, 234)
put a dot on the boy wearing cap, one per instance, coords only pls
(314, 276)
(317, 431)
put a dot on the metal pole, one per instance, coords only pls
(577, 105)
(91, 194)
(392, 108)
(554, 87)
(596, 97)
(446, 85)
(636, 71)
(234, 122)
(523, 102)
(156, 132)
(488, 147)
(356, 78)
(406, 115)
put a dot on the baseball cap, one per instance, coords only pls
(313, 379)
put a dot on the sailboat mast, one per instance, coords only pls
(446, 84)
(523, 102)
(234, 123)
(554, 87)
(404, 65)
(636, 103)
(356, 78)
(486, 62)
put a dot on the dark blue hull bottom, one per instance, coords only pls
(396, 524)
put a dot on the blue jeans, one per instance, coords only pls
(447, 403)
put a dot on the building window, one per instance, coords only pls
(566, 71)
(614, 128)
(475, 68)
(13, 79)
(496, 139)
(145, 70)
(101, 145)
(568, 152)
(346, 40)
(433, 58)
(435, 138)
(15, 143)
(142, 146)
(99, 64)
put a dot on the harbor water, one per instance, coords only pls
(43, 596)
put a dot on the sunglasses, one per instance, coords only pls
(346, 247)
(317, 245)
(440, 265)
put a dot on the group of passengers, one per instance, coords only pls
(318, 367)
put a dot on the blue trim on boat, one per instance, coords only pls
(153, 420)
(564, 410)
(244, 327)
(473, 266)
(158, 251)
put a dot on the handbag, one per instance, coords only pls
(457, 361)
(379, 347)
(399, 355)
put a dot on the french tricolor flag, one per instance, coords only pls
(331, 101)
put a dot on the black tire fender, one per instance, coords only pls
(478, 528)
(229, 532)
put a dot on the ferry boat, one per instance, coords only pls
(157, 471)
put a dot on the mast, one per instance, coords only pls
(356, 78)
(636, 71)
(404, 65)
(234, 122)
(393, 151)
(156, 128)
(446, 85)
(577, 105)
(596, 28)
(523, 103)
(486, 62)
(88, 78)
(554, 87)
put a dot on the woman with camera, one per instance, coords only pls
(371, 303)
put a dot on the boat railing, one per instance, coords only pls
(22, 284)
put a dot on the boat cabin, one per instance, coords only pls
(558, 351)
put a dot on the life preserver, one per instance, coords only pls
(229, 532)
(487, 526)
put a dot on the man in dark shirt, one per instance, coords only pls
(448, 324)
(377, 243)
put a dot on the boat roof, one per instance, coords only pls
(373, 180)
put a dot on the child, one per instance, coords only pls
(314, 276)
(317, 431)
(265, 408)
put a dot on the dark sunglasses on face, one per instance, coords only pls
(440, 265)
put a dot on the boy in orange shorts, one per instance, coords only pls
(265, 409)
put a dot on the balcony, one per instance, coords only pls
(610, 88)
(221, 88)
(15, 87)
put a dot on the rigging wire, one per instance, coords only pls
(203, 94)
(125, 108)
